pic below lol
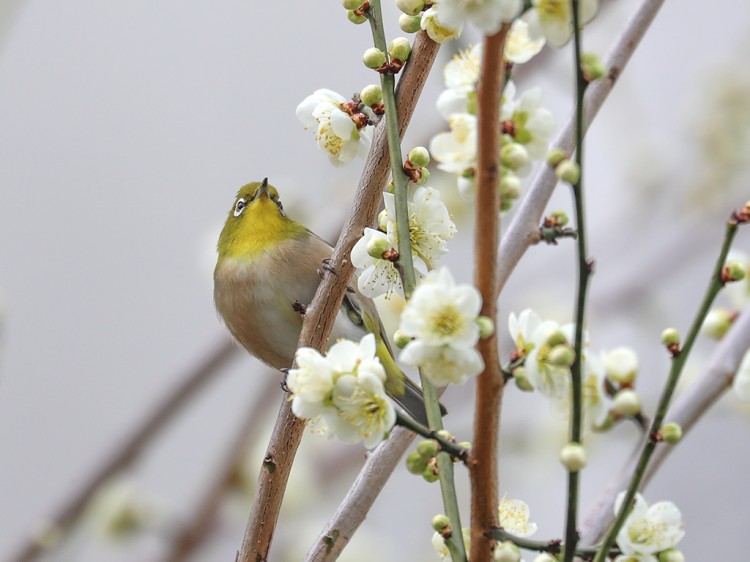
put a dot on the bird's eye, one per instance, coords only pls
(239, 207)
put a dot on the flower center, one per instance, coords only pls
(554, 9)
(447, 321)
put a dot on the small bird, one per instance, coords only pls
(268, 270)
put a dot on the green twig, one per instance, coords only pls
(552, 546)
(453, 449)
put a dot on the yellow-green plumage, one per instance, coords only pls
(267, 263)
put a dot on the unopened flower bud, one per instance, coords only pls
(733, 271)
(383, 220)
(514, 156)
(430, 473)
(544, 557)
(486, 326)
(670, 337)
(351, 4)
(427, 448)
(560, 217)
(671, 555)
(410, 7)
(355, 18)
(377, 246)
(573, 457)
(568, 171)
(627, 403)
(400, 48)
(445, 434)
(441, 524)
(424, 176)
(555, 156)
(373, 58)
(671, 433)
(592, 67)
(717, 323)
(410, 24)
(415, 463)
(419, 156)
(522, 382)
(510, 186)
(465, 445)
(506, 552)
(371, 95)
(620, 365)
(401, 339)
(562, 355)
(556, 338)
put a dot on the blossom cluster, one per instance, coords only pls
(343, 391)
(649, 530)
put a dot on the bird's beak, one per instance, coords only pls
(263, 189)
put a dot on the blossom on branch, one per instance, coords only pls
(487, 15)
(648, 530)
(553, 19)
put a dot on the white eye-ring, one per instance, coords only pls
(239, 206)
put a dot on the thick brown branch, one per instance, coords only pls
(321, 313)
(483, 462)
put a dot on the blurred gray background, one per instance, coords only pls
(126, 129)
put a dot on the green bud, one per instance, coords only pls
(486, 327)
(410, 24)
(734, 271)
(671, 433)
(400, 48)
(573, 457)
(514, 156)
(556, 338)
(401, 339)
(717, 323)
(506, 552)
(351, 4)
(555, 156)
(419, 156)
(373, 58)
(415, 463)
(355, 18)
(445, 434)
(560, 217)
(671, 555)
(465, 445)
(510, 186)
(441, 524)
(568, 171)
(427, 449)
(410, 7)
(371, 95)
(430, 473)
(424, 176)
(377, 246)
(562, 355)
(519, 375)
(670, 337)
(627, 403)
(592, 67)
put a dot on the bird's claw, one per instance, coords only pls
(299, 307)
(283, 384)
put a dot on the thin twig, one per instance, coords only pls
(128, 450)
(321, 313)
(489, 388)
(524, 228)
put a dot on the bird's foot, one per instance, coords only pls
(283, 384)
(327, 265)
(299, 307)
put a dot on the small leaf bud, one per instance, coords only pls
(510, 186)
(441, 524)
(514, 156)
(419, 156)
(371, 95)
(377, 246)
(409, 24)
(562, 355)
(351, 4)
(373, 58)
(560, 217)
(592, 67)
(555, 156)
(410, 7)
(621, 365)
(415, 463)
(430, 473)
(427, 448)
(671, 433)
(670, 337)
(401, 339)
(486, 327)
(671, 555)
(717, 323)
(733, 271)
(506, 552)
(355, 18)
(522, 382)
(568, 171)
(627, 403)
(400, 48)
(573, 457)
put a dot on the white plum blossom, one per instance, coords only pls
(487, 15)
(455, 151)
(441, 317)
(343, 392)
(649, 530)
(462, 71)
(377, 275)
(523, 328)
(335, 130)
(549, 378)
(553, 19)
(596, 404)
(439, 31)
(530, 124)
(514, 517)
(741, 383)
(519, 46)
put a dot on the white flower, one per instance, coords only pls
(364, 410)
(487, 15)
(595, 401)
(519, 46)
(443, 365)
(336, 131)
(455, 151)
(550, 379)
(438, 543)
(514, 516)
(430, 224)
(523, 328)
(636, 558)
(741, 383)
(649, 529)
(553, 19)
(738, 292)
(530, 124)
(436, 28)
(311, 383)
(462, 72)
